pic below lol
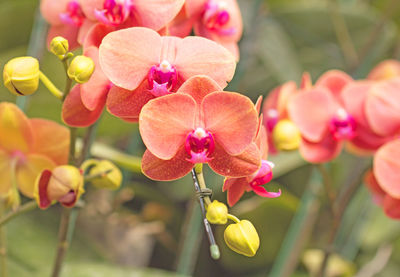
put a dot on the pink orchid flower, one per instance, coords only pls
(321, 117)
(199, 124)
(236, 187)
(31, 145)
(153, 14)
(385, 182)
(143, 65)
(66, 19)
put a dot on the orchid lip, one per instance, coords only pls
(162, 79)
(74, 15)
(114, 12)
(272, 118)
(343, 126)
(261, 177)
(216, 17)
(200, 146)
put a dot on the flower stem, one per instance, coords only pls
(233, 218)
(329, 190)
(3, 246)
(29, 206)
(68, 83)
(50, 86)
(62, 242)
(201, 188)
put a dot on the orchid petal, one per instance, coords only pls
(51, 10)
(126, 56)
(231, 118)
(372, 184)
(198, 87)
(28, 170)
(17, 133)
(5, 173)
(383, 107)
(75, 114)
(261, 191)
(236, 188)
(244, 164)
(391, 206)
(324, 151)
(311, 111)
(387, 168)
(334, 81)
(51, 140)
(385, 70)
(155, 14)
(128, 104)
(95, 90)
(41, 189)
(166, 170)
(197, 55)
(165, 122)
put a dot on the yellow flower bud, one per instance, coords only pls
(59, 46)
(21, 75)
(63, 184)
(242, 238)
(12, 199)
(217, 213)
(107, 175)
(286, 135)
(81, 69)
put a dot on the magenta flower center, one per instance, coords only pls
(162, 79)
(114, 12)
(200, 146)
(343, 126)
(73, 15)
(263, 175)
(216, 17)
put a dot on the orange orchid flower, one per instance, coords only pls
(385, 70)
(27, 147)
(236, 187)
(199, 124)
(143, 65)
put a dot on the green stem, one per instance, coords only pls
(62, 241)
(68, 83)
(29, 206)
(50, 86)
(330, 192)
(72, 149)
(3, 245)
(200, 177)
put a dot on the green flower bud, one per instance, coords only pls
(59, 46)
(217, 213)
(242, 238)
(81, 69)
(21, 75)
(108, 175)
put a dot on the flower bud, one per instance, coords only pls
(63, 184)
(12, 199)
(107, 175)
(286, 135)
(81, 69)
(242, 238)
(217, 213)
(21, 75)
(59, 46)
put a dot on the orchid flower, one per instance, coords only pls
(66, 19)
(236, 187)
(199, 124)
(27, 147)
(322, 118)
(385, 70)
(143, 65)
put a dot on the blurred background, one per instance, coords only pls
(152, 228)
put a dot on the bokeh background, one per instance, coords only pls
(154, 228)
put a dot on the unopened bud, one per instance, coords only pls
(217, 213)
(81, 69)
(242, 238)
(59, 46)
(286, 135)
(21, 75)
(12, 199)
(106, 175)
(63, 184)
